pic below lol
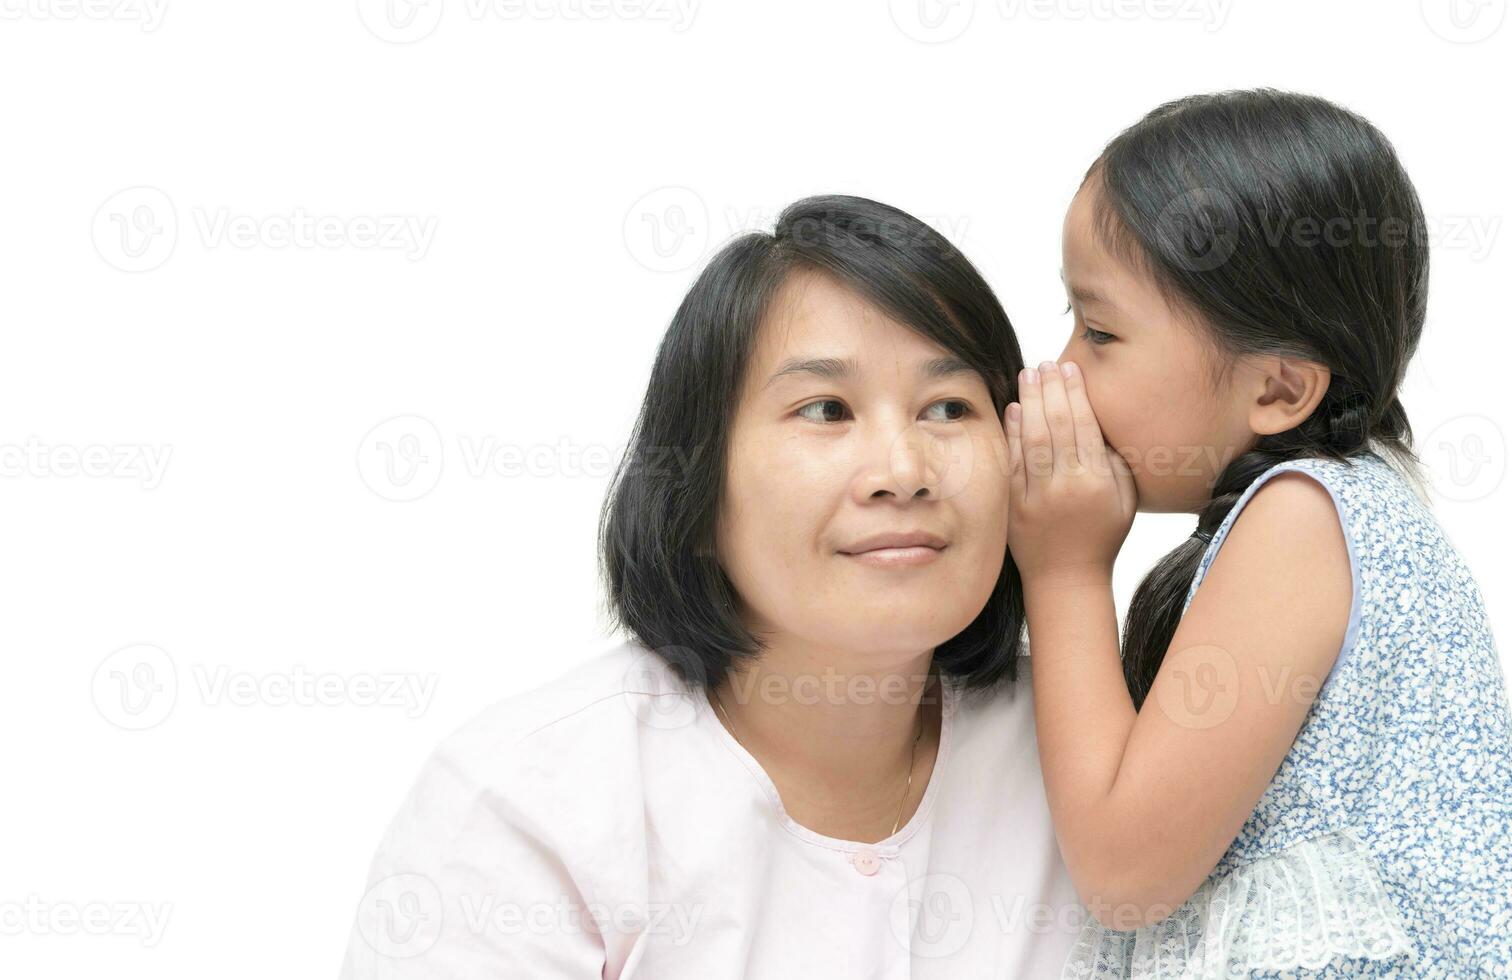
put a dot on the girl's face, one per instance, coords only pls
(850, 425)
(1149, 372)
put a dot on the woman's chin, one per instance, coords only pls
(900, 630)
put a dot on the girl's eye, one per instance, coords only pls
(830, 410)
(1091, 336)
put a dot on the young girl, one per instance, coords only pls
(1302, 765)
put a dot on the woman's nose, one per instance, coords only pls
(909, 466)
(912, 461)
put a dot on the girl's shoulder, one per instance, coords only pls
(1352, 482)
(1366, 497)
(1359, 485)
(1305, 504)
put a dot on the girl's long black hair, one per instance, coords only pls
(1287, 225)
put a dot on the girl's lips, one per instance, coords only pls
(897, 557)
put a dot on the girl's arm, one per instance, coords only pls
(1146, 803)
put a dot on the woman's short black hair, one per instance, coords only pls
(657, 528)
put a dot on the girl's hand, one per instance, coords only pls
(1070, 499)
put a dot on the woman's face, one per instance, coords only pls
(1148, 372)
(852, 426)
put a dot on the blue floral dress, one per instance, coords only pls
(1383, 846)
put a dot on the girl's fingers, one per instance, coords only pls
(1089, 437)
(1034, 433)
(1058, 418)
(1013, 429)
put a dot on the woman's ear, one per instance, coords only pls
(1289, 390)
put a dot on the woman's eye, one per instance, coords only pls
(828, 408)
(955, 410)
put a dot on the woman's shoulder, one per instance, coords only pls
(521, 812)
(586, 712)
(999, 714)
(557, 764)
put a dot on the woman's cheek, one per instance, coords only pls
(986, 457)
(984, 500)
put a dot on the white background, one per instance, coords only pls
(542, 182)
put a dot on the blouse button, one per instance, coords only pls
(866, 861)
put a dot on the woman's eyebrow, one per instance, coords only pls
(844, 367)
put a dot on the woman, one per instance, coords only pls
(816, 756)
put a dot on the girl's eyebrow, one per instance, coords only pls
(844, 367)
(1088, 297)
(1083, 294)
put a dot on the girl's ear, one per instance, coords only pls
(1288, 392)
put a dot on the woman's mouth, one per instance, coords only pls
(896, 557)
(897, 549)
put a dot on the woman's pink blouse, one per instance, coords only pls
(606, 825)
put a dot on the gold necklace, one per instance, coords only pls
(913, 752)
